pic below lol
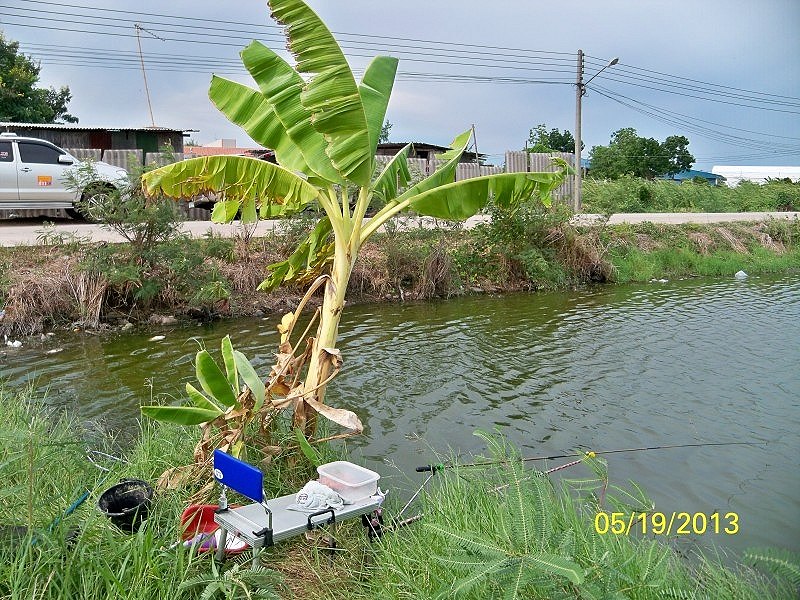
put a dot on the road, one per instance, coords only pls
(32, 232)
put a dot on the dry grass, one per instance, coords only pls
(584, 256)
(370, 277)
(41, 293)
(703, 242)
(760, 232)
(734, 242)
(437, 274)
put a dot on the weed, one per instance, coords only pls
(633, 195)
(503, 531)
(48, 236)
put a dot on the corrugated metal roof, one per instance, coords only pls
(9, 126)
(691, 173)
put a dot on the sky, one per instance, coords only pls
(724, 73)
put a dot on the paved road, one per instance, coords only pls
(31, 232)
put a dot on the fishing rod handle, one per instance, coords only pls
(430, 468)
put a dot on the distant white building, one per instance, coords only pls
(735, 174)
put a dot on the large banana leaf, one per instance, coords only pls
(237, 178)
(254, 113)
(394, 175)
(331, 95)
(213, 381)
(309, 257)
(281, 85)
(462, 199)
(446, 173)
(375, 90)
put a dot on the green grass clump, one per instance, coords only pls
(649, 251)
(634, 195)
(44, 467)
(509, 532)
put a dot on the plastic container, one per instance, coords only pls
(351, 482)
(127, 503)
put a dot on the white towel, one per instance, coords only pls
(315, 496)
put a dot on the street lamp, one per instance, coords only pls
(580, 90)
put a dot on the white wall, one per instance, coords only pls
(733, 174)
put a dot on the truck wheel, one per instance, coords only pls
(90, 208)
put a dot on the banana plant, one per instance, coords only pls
(324, 127)
(231, 398)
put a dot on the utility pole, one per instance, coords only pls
(579, 91)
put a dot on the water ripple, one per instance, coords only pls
(612, 367)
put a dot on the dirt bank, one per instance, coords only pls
(64, 283)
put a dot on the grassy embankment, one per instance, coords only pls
(486, 531)
(634, 195)
(63, 282)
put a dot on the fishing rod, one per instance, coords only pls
(590, 453)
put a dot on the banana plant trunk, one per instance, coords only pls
(305, 417)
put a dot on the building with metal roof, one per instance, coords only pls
(693, 174)
(71, 135)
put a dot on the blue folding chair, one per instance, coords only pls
(254, 522)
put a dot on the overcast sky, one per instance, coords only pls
(724, 73)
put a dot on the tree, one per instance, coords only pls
(20, 100)
(325, 125)
(384, 136)
(540, 140)
(630, 154)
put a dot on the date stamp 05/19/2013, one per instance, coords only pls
(658, 523)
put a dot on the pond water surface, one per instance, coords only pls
(609, 367)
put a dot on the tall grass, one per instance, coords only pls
(505, 532)
(44, 467)
(647, 251)
(634, 195)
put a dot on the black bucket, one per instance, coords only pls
(126, 503)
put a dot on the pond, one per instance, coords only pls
(665, 363)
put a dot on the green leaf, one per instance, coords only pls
(375, 89)
(281, 85)
(249, 214)
(394, 175)
(225, 211)
(199, 400)
(213, 380)
(446, 173)
(251, 378)
(308, 450)
(462, 199)
(480, 546)
(255, 113)
(467, 583)
(226, 348)
(309, 257)
(331, 95)
(181, 415)
(236, 177)
(556, 565)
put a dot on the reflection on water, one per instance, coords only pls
(610, 367)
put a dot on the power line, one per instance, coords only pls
(623, 67)
(270, 26)
(701, 131)
(437, 46)
(558, 69)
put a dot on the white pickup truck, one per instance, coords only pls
(33, 175)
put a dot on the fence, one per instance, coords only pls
(515, 162)
(528, 162)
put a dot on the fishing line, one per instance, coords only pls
(441, 466)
